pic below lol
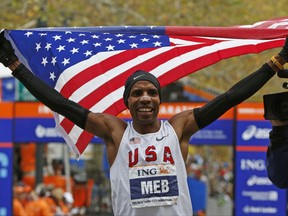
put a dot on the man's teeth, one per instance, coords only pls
(145, 110)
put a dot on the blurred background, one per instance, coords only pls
(46, 171)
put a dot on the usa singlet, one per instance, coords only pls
(148, 176)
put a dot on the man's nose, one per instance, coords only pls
(145, 98)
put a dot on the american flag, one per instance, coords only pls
(135, 140)
(89, 65)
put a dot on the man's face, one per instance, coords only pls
(143, 102)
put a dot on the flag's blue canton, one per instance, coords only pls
(51, 52)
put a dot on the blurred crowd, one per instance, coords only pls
(43, 201)
(216, 174)
(82, 192)
(86, 198)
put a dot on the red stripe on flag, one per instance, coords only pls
(251, 148)
(83, 141)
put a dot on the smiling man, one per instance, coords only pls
(146, 156)
(156, 169)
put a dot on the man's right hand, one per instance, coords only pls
(7, 55)
(284, 52)
(279, 122)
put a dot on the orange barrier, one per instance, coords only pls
(6, 110)
(32, 109)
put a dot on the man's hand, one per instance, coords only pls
(7, 55)
(284, 52)
(279, 122)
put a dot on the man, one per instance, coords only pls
(147, 156)
(277, 154)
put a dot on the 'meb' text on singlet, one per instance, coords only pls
(148, 176)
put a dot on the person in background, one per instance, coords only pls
(18, 206)
(43, 205)
(277, 154)
(68, 201)
(146, 156)
(58, 198)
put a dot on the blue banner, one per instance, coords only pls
(6, 130)
(198, 193)
(255, 194)
(219, 132)
(8, 89)
(253, 133)
(6, 179)
(38, 130)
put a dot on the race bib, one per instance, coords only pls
(153, 185)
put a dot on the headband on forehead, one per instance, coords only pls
(138, 76)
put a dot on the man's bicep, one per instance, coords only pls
(184, 124)
(97, 124)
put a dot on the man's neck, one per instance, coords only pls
(147, 128)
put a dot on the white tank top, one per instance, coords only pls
(148, 176)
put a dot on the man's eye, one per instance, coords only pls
(137, 93)
(153, 93)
